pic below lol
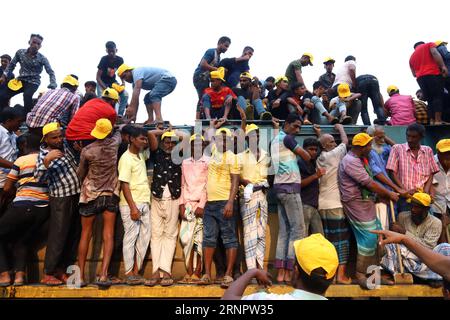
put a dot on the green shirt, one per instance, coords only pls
(290, 71)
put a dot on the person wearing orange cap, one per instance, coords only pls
(217, 100)
(399, 107)
(294, 69)
(32, 63)
(192, 205)
(358, 189)
(441, 187)
(316, 262)
(99, 194)
(56, 165)
(419, 225)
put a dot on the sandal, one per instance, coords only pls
(115, 280)
(104, 283)
(151, 282)
(166, 282)
(227, 280)
(195, 278)
(204, 281)
(218, 280)
(334, 121)
(5, 284)
(134, 280)
(346, 120)
(187, 279)
(51, 281)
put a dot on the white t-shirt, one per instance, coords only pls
(343, 74)
(297, 294)
(329, 197)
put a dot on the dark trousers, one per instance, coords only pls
(28, 90)
(433, 90)
(18, 226)
(201, 82)
(63, 235)
(370, 88)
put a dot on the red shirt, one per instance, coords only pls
(422, 61)
(83, 122)
(218, 97)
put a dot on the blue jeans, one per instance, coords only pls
(291, 228)
(162, 88)
(214, 222)
(257, 103)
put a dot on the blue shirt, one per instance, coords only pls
(378, 162)
(210, 55)
(149, 76)
(234, 70)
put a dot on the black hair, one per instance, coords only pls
(12, 113)
(248, 48)
(31, 141)
(270, 79)
(311, 142)
(292, 117)
(90, 83)
(316, 282)
(223, 40)
(136, 132)
(68, 86)
(418, 44)
(317, 85)
(348, 58)
(127, 129)
(110, 45)
(296, 85)
(417, 127)
(420, 90)
(6, 56)
(37, 35)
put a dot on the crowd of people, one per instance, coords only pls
(209, 187)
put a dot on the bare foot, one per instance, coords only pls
(4, 277)
(280, 276)
(343, 280)
(19, 277)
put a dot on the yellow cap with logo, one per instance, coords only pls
(361, 139)
(420, 198)
(15, 84)
(316, 252)
(103, 128)
(123, 67)
(111, 94)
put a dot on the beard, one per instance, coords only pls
(378, 148)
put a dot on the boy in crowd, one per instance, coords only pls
(90, 92)
(276, 99)
(135, 205)
(99, 194)
(218, 99)
(343, 102)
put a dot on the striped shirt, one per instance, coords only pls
(29, 191)
(287, 172)
(31, 67)
(59, 105)
(8, 151)
(61, 175)
(413, 172)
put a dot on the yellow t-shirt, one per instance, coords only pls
(220, 168)
(254, 170)
(132, 169)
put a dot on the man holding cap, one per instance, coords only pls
(159, 82)
(294, 69)
(421, 226)
(56, 166)
(57, 105)
(358, 190)
(99, 193)
(328, 77)
(441, 187)
(84, 121)
(31, 64)
(316, 262)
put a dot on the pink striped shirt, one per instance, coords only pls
(413, 172)
(193, 181)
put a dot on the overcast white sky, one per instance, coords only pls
(175, 34)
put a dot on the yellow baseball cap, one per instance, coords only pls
(316, 252)
(168, 134)
(246, 75)
(443, 145)
(103, 128)
(251, 127)
(439, 42)
(15, 84)
(227, 132)
(196, 136)
(111, 94)
(361, 139)
(218, 74)
(123, 67)
(329, 60)
(70, 80)
(391, 88)
(281, 78)
(344, 90)
(50, 127)
(119, 88)
(420, 198)
(311, 57)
